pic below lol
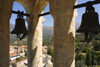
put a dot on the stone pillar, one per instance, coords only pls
(34, 8)
(64, 32)
(35, 43)
(5, 14)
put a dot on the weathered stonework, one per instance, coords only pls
(35, 30)
(64, 32)
(34, 8)
(5, 13)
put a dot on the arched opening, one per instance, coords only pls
(48, 37)
(18, 49)
(82, 10)
(81, 59)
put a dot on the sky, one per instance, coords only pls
(48, 18)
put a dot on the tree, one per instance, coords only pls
(76, 47)
(85, 50)
(98, 59)
(80, 57)
(19, 59)
(26, 53)
(93, 59)
(80, 63)
(97, 47)
(88, 59)
(50, 51)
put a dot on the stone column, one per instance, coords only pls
(34, 8)
(35, 30)
(35, 44)
(64, 32)
(5, 13)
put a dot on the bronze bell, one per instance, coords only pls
(20, 26)
(90, 22)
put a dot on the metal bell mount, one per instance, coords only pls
(90, 22)
(19, 26)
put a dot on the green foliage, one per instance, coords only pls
(76, 47)
(80, 63)
(80, 57)
(50, 52)
(15, 48)
(48, 42)
(98, 59)
(19, 59)
(85, 50)
(51, 59)
(93, 60)
(88, 59)
(26, 53)
(98, 65)
(97, 47)
(47, 32)
(97, 38)
(96, 53)
(21, 51)
(80, 38)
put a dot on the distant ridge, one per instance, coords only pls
(11, 27)
(48, 30)
(77, 24)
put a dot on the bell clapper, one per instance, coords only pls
(86, 35)
(18, 36)
(20, 27)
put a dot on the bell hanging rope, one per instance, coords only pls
(90, 22)
(19, 26)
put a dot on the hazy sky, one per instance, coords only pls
(48, 18)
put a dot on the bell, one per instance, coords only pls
(90, 22)
(20, 26)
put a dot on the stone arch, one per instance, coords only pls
(34, 28)
(34, 38)
(64, 32)
(25, 4)
(34, 8)
(5, 14)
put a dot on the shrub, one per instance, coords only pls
(80, 57)
(26, 53)
(80, 63)
(85, 50)
(19, 59)
(88, 59)
(50, 52)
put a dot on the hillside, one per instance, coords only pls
(77, 24)
(11, 27)
(92, 49)
(47, 30)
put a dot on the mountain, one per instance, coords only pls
(11, 27)
(77, 24)
(47, 30)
